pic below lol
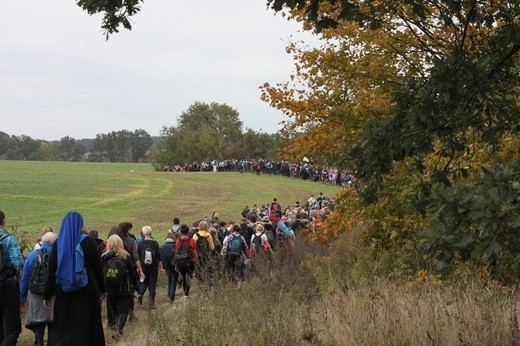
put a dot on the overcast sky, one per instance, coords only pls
(59, 77)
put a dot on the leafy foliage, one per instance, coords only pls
(425, 101)
(479, 221)
(122, 146)
(115, 13)
(208, 132)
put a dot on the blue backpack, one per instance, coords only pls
(235, 245)
(80, 272)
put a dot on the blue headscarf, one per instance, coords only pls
(68, 238)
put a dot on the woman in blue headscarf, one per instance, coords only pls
(77, 311)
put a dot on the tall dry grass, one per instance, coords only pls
(296, 305)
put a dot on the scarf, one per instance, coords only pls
(68, 239)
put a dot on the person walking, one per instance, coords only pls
(167, 252)
(233, 249)
(150, 256)
(130, 245)
(33, 276)
(77, 313)
(9, 291)
(185, 244)
(206, 265)
(120, 276)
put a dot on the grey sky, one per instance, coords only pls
(59, 77)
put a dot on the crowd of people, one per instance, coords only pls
(64, 280)
(303, 170)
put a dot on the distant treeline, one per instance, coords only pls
(116, 146)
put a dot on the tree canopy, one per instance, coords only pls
(423, 97)
(207, 132)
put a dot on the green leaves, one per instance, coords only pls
(476, 221)
(208, 132)
(115, 12)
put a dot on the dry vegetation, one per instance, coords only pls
(332, 294)
(297, 306)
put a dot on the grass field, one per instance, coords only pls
(298, 304)
(37, 194)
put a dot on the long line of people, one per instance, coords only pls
(125, 267)
(302, 170)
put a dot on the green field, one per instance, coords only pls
(37, 194)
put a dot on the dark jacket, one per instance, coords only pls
(131, 275)
(142, 245)
(167, 250)
(96, 281)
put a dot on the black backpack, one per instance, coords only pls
(202, 248)
(148, 255)
(116, 273)
(5, 270)
(182, 258)
(38, 273)
(257, 241)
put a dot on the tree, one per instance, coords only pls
(140, 142)
(115, 13)
(425, 96)
(77, 152)
(48, 151)
(121, 142)
(205, 132)
(66, 147)
(26, 146)
(457, 64)
(104, 147)
(122, 146)
(261, 145)
(5, 143)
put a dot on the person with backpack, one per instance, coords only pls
(185, 258)
(77, 310)
(130, 245)
(150, 255)
(205, 247)
(222, 230)
(176, 225)
(270, 234)
(261, 249)
(259, 242)
(11, 263)
(248, 230)
(233, 249)
(120, 276)
(167, 253)
(32, 285)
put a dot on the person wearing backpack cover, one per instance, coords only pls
(205, 267)
(232, 250)
(261, 248)
(150, 255)
(11, 264)
(32, 285)
(120, 276)
(77, 313)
